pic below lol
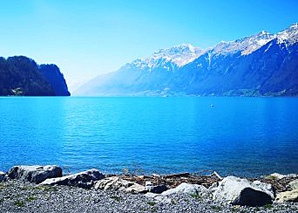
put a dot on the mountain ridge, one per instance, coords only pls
(244, 67)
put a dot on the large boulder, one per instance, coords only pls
(287, 196)
(84, 179)
(191, 189)
(118, 184)
(2, 175)
(35, 174)
(293, 185)
(239, 191)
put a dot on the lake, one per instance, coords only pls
(238, 136)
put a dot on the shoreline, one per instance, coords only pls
(93, 191)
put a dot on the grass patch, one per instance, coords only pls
(31, 198)
(151, 203)
(268, 206)
(216, 208)
(26, 188)
(47, 188)
(269, 177)
(235, 208)
(19, 203)
(88, 198)
(116, 198)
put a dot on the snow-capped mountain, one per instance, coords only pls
(260, 65)
(250, 44)
(289, 35)
(169, 59)
(245, 45)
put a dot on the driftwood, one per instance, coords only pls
(217, 175)
(201, 178)
(173, 180)
(186, 174)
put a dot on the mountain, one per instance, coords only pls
(53, 75)
(22, 76)
(260, 65)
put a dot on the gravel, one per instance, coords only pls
(16, 196)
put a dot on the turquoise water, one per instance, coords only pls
(240, 136)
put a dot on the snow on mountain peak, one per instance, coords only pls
(178, 50)
(245, 45)
(289, 35)
(179, 55)
(262, 33)
(183, 54)
(294, 26)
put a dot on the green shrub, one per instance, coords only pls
(19, 203)
(116, 198)
(151, 203)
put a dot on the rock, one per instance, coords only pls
(35, 174)
(159, 198)
(140, 177)
(136, 189)
(287, 196)
(83, 179)
(148, 186)
(293, 185)
(151, 195)
(2, 176)
(118, 184)
(158, 189)
(187, 188)
(242, 192)
(155, 175)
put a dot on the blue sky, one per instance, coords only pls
(86, 38)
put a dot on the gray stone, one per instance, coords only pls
(239, 191)
(293, 185)
(186, 188)
(159, 198)
(83, 179)
(287, 196)
(118, 184)
(2, 175)
(35, 174)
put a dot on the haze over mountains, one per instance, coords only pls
(260, 65)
